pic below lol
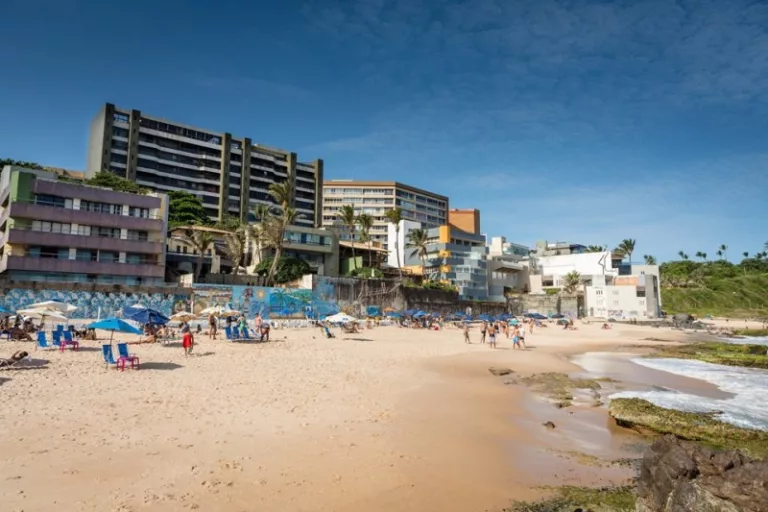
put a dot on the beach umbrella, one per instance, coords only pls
(147, 316)
(342, 318)
(52, 305)
(183, 316)
(513, 322)
(42, 313)
(114, 324)
(484, 317)
(219, 311)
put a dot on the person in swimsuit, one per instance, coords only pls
(466, 332)
(516, 339)
(187, 342)
(483, 329)
(492, 335)
(212, 327)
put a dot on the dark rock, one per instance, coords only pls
(678, 476)
(549, 425)
(510, 382)
(500, 371)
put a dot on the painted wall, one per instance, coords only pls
(595, 263)
(268, 301)
(90, 304)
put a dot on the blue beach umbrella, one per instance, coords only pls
(146, 316)
(114, 324)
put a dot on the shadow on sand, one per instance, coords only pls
(160, 366)
(356, 339)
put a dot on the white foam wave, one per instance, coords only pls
(748, 340)
(748, 407)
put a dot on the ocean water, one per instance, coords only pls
(748, 340)
(747, 407)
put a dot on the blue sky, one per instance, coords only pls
(588, 121)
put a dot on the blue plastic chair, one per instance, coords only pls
(42, 342)
(60, 328)
(122, 349)
(56, 335)
(228, 332)
(109, 358)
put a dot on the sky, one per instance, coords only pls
(560, 120)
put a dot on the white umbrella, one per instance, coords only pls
(340, 318)
(183, 316)
(219, 311)
(52, 305)
(42, 313)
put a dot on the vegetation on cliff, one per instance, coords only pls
(731, 354)
(647, 418)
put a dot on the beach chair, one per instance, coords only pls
(109, 358)
(69, 341)
(42, 342)
(228, 333)
(56, 337)
(122, 349)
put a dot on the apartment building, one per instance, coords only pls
(430, 210)
(69, 232)
(467, 219)
(506, 270)
(231, 174)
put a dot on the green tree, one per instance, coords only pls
(681, 254)
(686, 257)
(595, 248)
(571, 282)
(700, 255)
(228, 223)
(395, 216)
(234, 246)
(724, 251)
(365, 222)
(649, 260)
(258, 231)
(115, 182)
(347, 217)
(288, 269)
(201, 242)
(417, 240)
(19, 163)
(186, 209)
(282, 193)
(627, 246)
(745, 254)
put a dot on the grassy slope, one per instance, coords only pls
(742, 296)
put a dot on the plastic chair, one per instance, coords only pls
(68, 341)
(109, 358)
(42, 342)
(56, 336)
(122, 349)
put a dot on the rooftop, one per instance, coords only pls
(365, 183)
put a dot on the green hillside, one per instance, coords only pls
(718, 288)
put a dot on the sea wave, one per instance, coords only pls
(747, 408)
(748, 340)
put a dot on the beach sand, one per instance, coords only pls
(389, 419)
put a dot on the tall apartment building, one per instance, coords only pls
(376, 197)
(230, 174)
(54, 230)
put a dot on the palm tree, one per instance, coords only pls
(724, 249)
(595, 248)
(365, 222)
(282, 193)
(649, 260)
(394, 216)
(201, 242)
(681, 254)
(257, 232)
(347, 217)
(627, 247)
(686, 257)
(719, 253)
(417, 240)
(571, 282)
(704, 256)
(745, 254)
(234, 247)
(700, 254)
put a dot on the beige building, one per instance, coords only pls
(375, 198)
(467, 220)
(230, 174)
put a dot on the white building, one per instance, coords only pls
(406, 226)
(506, 270)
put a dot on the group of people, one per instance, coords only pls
(260, 327)
(490, 330)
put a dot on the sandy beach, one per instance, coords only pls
(389, 419)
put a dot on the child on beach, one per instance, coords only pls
(187, 342)
(492, 335)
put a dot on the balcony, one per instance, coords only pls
(29, 237)
(86, 218)
(62, 189)
(51, 265)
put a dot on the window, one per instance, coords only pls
(48, 200)
(51, 227)
(141, 236)
(93, 206)
(56, 253)
(139, 212)
(119, 117)
(109, 257)
(106, 232)
(86, 255)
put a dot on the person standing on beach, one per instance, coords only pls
(532, 322)
(257, 324)
(187, 341)
(466, 333)
(212, 327)
(515, 339)
(492, 335)
(483, 328)
(521, 335)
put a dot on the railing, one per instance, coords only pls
(131, 237)
(53, 204)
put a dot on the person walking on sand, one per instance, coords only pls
(515, 339)
(492, 335)
(187, 341)
(212, 327)
(532, 322)
(257, 322)
(521, 335)
(466, 333)
(483, 329)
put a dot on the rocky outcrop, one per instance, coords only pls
(681, 476)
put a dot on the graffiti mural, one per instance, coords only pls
(94, 304)
(266, 301)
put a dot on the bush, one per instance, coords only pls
(288, 269)
(436, 285)
(366, 273)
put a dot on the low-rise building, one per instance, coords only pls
(69, 232)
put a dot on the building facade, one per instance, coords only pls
(68, 232)
(506, 271)
(374, 198)
(230, 174)
(467, 220)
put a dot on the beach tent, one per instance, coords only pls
(114, 324)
